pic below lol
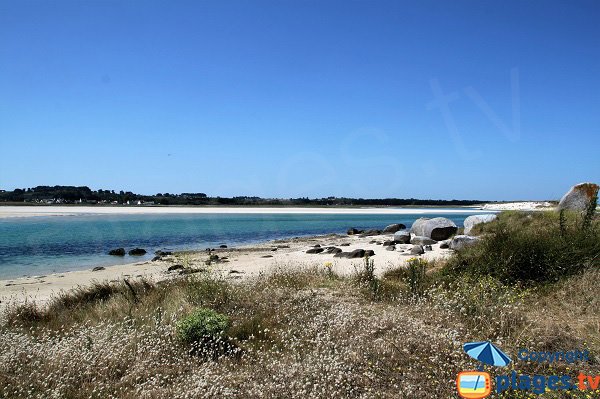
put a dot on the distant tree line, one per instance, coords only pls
(83, 194)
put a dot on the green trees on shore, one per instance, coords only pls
(83, 194)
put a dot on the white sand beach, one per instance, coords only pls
(30, 211)
(519, 206)
(53, 210)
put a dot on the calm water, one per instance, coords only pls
(42, 245)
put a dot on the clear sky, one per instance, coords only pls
(494, 100)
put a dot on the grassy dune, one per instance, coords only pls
(531, 282)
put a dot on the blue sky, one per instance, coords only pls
(464, 99)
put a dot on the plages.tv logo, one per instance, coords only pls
(478, 384)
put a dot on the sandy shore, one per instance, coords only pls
(241, 262)
(29, 211)
(520, 206)
(12, 211)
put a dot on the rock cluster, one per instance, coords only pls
(357, 253)
(134, 252)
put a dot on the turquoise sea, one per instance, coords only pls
(41, 245)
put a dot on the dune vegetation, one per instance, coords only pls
(531, 281)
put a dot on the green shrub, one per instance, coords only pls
(202, 325)
(531, 248)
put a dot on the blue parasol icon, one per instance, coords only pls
(487, 353)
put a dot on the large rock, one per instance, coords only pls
(418, 226)
(579, 197)
(437, 228)
(463, 241)
(372, 232)
(417, 250)
(392, 228)
(357, 253)
(316, 250)
(402, 237)
(137, 252)
(332, 250)
(420, 240)
(117, 252)
(351, 231)
(477, 219)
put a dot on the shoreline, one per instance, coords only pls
(242, 262)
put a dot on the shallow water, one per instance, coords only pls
(42, 245)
